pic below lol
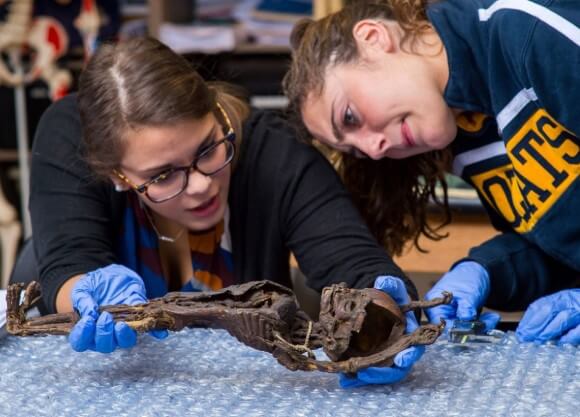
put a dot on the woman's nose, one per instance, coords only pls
(374, 146)
(197, 183)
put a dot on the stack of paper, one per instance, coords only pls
(198, 38)
(215, 9)
(261, 25)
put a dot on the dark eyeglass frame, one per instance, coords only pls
(229, 140)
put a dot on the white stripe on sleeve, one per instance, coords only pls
(477, 155)
(557, 22)
(516, 105)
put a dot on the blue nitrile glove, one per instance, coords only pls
(405, 359)
(555, 316)
(469, 283)
(113, 284)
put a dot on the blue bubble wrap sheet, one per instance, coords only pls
(200, 372)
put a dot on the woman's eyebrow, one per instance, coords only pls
(336, 130)
(210, 136)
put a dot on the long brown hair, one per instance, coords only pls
(393, 195)
(141, 82)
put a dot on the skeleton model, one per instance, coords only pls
(44, 40)
(12, 35)
(88, 23)
(12, 32)
(46, 37)
(357, 328)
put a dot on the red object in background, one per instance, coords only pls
(48, 38)
(44, 31)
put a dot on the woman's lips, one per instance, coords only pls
(407, 135)
(208, 208)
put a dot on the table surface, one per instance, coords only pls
(208, 373)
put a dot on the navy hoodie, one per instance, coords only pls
(515, 70)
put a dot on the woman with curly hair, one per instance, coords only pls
(409, 90)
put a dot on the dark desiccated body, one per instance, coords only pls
(357, 328)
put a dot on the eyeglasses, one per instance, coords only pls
(210, 161)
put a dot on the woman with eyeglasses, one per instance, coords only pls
(153, 180)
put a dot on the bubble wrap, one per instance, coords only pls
(208, 373)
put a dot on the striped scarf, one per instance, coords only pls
(138, 249)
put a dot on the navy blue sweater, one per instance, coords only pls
(515, 65)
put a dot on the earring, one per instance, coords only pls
(120, 188)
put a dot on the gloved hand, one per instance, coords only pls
(555, 316)
(469, 283)
(113, 284)
(405, 359)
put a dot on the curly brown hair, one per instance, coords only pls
(392, 195)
